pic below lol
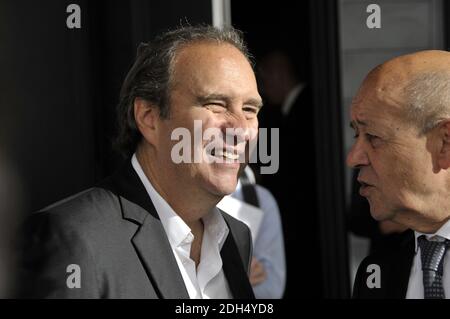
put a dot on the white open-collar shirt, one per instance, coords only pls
(208, 280)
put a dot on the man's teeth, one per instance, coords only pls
(226, 154)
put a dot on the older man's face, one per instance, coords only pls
(396, 172)
(215, 84)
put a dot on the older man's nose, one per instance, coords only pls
(357, 156)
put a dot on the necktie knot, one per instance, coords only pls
(432, 253)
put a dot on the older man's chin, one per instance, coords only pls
(380, 213)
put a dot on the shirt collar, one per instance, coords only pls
(442, 234)
(216, 226)
(178, 232)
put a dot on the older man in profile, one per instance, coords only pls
(401, 118)
(153, 230)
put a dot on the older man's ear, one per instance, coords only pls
(146, 116)
(444, 145)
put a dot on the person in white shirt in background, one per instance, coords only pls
(268, 268)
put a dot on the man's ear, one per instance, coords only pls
(444, 144)
(146, 116)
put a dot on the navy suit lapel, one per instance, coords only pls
(395, 268)
(401, 268)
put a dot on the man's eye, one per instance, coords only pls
(215, 104)
(215, 107)
(250, 110)
(356, 135)
(372, 138)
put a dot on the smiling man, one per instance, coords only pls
(401, 118)
(153, 230)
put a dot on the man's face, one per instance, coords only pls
(213, 83)
(396, 171)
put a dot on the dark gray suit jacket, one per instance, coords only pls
(113, 233)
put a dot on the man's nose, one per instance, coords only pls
(357, 156)
(239, 126)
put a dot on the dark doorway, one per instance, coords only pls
(309, 183)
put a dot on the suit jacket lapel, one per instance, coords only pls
(395, 268)
(150, 240)
(153, 247)
(234, 270)
(401, 267)
(154, 250)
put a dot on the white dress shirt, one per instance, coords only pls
(415, 285)
(208, 280)
(268, 247)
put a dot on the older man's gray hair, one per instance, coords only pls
(428, 98)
